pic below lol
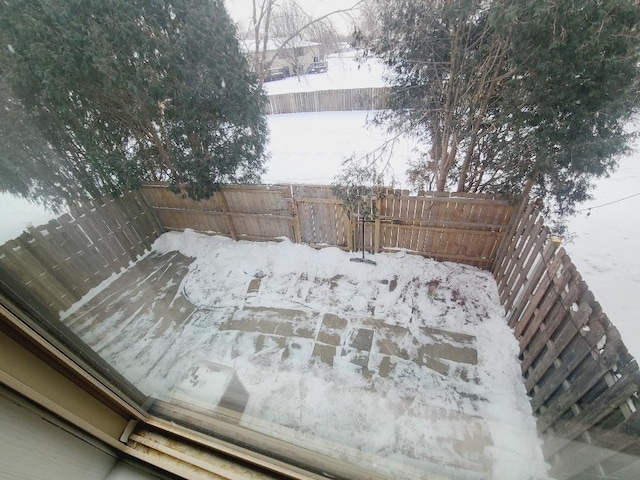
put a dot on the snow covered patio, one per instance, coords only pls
(407, 368)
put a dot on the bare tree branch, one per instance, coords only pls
(262, 28)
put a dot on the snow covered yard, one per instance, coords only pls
(311, 147)
(346, 70)
(406, 367)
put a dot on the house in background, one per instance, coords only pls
(287, 58)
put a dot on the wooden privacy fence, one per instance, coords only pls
(53, 265)
(329, 100)
(582, 381)
(456, 227)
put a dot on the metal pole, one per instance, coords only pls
(363, 237)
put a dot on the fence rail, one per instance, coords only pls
(53, 265)
(455, 227)
(583, 382)
(329, 100)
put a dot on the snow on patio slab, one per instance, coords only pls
(406, 367)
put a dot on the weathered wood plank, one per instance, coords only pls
(552, 310)
(297, 228)
(57, 237)
(555, 349)
(126, 211)
(439, 229)
(252, 226)
(434, 237)
(57, 259)
(448, 258)
(535, 250)
(97, 235)
(509, 238)
(444, 198)
(117, 222)
(145, 220)
(528, 217)
(42, 265)
(535, 286)
(30, 274)
(567, 430)
(227, 215)
(612, 354)
(331, 201)
(515, 269)
(76, 243)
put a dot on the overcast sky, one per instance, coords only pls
(240, 10)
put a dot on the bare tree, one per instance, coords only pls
(446, 85)
(369, 22)
(289, 17)
(276, 26)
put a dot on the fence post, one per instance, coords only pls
(350, 234)
(376, 232)
(508, 236)
(297, 228)
(227, 215)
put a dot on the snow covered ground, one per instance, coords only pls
(309, 148)
(406, 367)
(604, 242)
(345, 71)
(606, 247)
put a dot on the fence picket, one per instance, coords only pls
(373, 98)
(419, 224)
(55, 264)
(574, 383)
